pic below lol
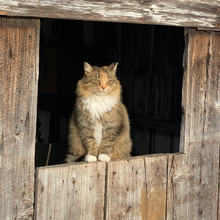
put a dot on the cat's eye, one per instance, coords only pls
(96, 81)
(110, 81)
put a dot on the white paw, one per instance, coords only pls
(90, 158)
(104, 157)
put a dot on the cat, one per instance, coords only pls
(99, 126)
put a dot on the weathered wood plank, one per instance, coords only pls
(197, 191)
(209, 151)
(193, 182)
(202, 114)
(126, 190)
(199, 13)
(177, 195)
(136, 188)
(70, 192)
(19, 56)
(156, 179)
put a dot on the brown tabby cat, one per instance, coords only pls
(99, 126)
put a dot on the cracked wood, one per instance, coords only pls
(191, 13)
(19, 58)
(193, 177)
(70, 192)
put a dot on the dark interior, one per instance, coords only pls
(150, 71)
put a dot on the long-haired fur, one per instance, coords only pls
(99, 126)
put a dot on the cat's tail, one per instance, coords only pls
(72, 159)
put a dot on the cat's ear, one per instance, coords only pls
(87, 68)
(113, 67)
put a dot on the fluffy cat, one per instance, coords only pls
(99, 126)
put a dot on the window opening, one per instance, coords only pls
(150, 71)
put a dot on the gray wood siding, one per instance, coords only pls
(122, 189)
(201, 123)
(200, 13)
(19, 56)
(167, 186)
(70, 192)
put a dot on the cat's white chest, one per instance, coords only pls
(97, 105)
(98, 132)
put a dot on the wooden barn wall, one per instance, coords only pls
(125, 189)
(191, 13)
(175, 186)
(200, 127)
(150, 71)
(19, 61)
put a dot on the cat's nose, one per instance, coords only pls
(103, 87)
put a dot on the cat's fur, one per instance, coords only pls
(99, 126)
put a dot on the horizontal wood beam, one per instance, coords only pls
(120, 189)
(188, 13)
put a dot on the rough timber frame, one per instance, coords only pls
(172, 186)
(188, 13)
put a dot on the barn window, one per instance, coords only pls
(150, 71)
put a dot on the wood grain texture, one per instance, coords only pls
(156, 180)
(126, 190)
(177, 195)
(70, 192)
(132, 189)
(195, 194)
(19, 56)
(203, 115)
(191, 13)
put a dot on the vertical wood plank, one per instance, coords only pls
(177, 195)
(197, 196)
(202, 114)
(126, 190)
(70, 192)
(19, 55)
(156, 179)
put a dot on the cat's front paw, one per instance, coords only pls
(104, 157)
(90, 158)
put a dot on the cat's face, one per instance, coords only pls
(100, 80)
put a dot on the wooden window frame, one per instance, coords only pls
(166, 186)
